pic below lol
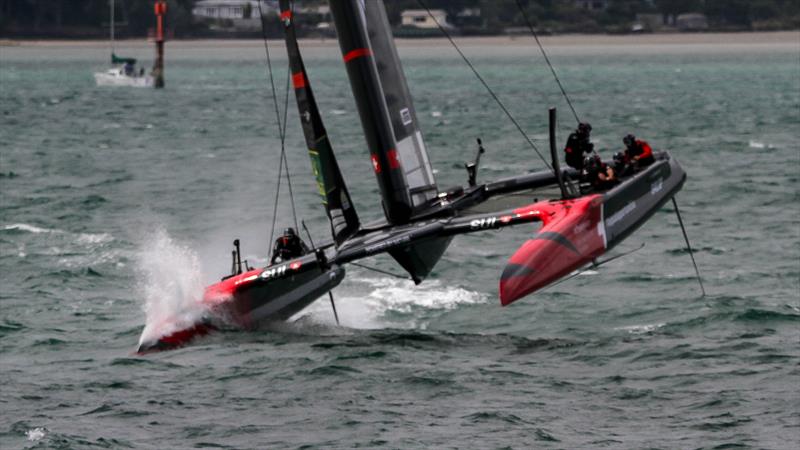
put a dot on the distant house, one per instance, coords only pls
(648, 22)
(232, 9)
(691, 22)
(592, 5)
(469, 18)
(233, 15)
(419, 18)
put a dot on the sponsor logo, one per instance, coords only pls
(405, 115)
(656, 187)
(295, 265)
(375, 164)
(274, 272)
(619, 215)
(581, 227)
(480, 224)
(387, 243)
(506, 219)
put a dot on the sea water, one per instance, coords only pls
(118, 205)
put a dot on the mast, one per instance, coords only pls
(330, 182)
(348, 16)
(112, 30)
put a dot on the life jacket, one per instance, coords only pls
(646, 156)
(641, 149)
(288, 247)
(575, 149)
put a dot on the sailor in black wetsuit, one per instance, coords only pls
(600, 174)
(578, 145)
(288, 246)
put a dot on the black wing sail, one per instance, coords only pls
(395, 143)
(410, 145)
(340, 209)
(358, 55)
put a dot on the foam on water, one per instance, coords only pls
(35, 434)
(387, 296)
(72, 250)
(28, 228)
(171, 286)
(642, 329)
(81, 238)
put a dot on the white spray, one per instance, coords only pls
(171, 286)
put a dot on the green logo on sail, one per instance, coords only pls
(316, 167)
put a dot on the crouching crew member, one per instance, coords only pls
(578, 145)
(637, 152)
(288, 246)
(600, 174)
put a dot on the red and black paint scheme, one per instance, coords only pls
(258, 296)
(575, 232)
(577, 227)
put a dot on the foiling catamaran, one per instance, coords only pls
(579, 223)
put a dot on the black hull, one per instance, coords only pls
(627, 206)
(281, 298)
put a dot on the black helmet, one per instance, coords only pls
(629, 140)
(584, 128)
(289, 232)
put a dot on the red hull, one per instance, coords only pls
(571, 236)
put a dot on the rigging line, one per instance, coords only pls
(283, 151)
(275, 204)
(271, 77)
(281, 128)
(480, 78)
(291, 194)
(330, 294)
(547, 59)
(594, 265)
(688, 245)
(283, 138)
(385, 272)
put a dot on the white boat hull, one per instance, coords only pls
(116, 77)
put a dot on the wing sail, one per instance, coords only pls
(398, 155)
(338, 205)
(410, 144)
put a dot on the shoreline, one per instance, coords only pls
(566, 40)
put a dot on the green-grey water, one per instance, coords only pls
(116, 200)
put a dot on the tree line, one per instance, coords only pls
(90, 18)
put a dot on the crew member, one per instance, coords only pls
(128, 68)
(599, 174)
(637, 152)
(288, 246)
(578, 144)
